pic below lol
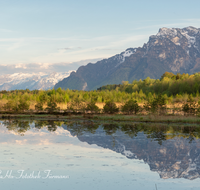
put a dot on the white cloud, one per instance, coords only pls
(20, 65)
(43, 67)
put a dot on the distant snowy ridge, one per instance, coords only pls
(31, 81)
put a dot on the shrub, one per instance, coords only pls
(77, 105)
(190, 106)
(158, 105)
(110, 107)
(39, 106)
(92, 107)
(130, 107)
(51, 106)
(11, 106)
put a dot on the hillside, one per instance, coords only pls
(171, 49)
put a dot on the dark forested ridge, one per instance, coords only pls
(173, 50)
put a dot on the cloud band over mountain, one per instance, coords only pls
(43, 67)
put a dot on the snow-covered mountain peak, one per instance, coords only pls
(167, 32)
(191, 29)
(189, 32)
(186, 37)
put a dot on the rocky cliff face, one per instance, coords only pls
(171, 49)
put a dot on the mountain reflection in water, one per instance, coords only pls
(172, 151)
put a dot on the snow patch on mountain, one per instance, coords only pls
(122, 149)
(121, 58)
(191, 39)
(85, 86)
(128, 53)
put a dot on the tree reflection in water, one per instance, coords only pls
(157, 132)
(171, 150)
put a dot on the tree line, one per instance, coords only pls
(169, 84)
(154, 94)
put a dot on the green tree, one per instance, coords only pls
(23, 104)
(190, 106)
(11, 105)
(39, 106)
(77, 104)
(130, 107)
(157, 105)
(51, 104)
(110, 107)
(92, 107)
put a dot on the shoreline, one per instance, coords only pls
(189, 119)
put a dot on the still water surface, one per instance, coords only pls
(53, 155)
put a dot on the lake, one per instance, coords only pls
(56, 155)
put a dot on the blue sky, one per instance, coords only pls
(65, 31)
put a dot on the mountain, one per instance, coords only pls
(171, 49)
(174, 158)
(31, 81)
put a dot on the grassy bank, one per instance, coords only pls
(149, 118)
(109, 117)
